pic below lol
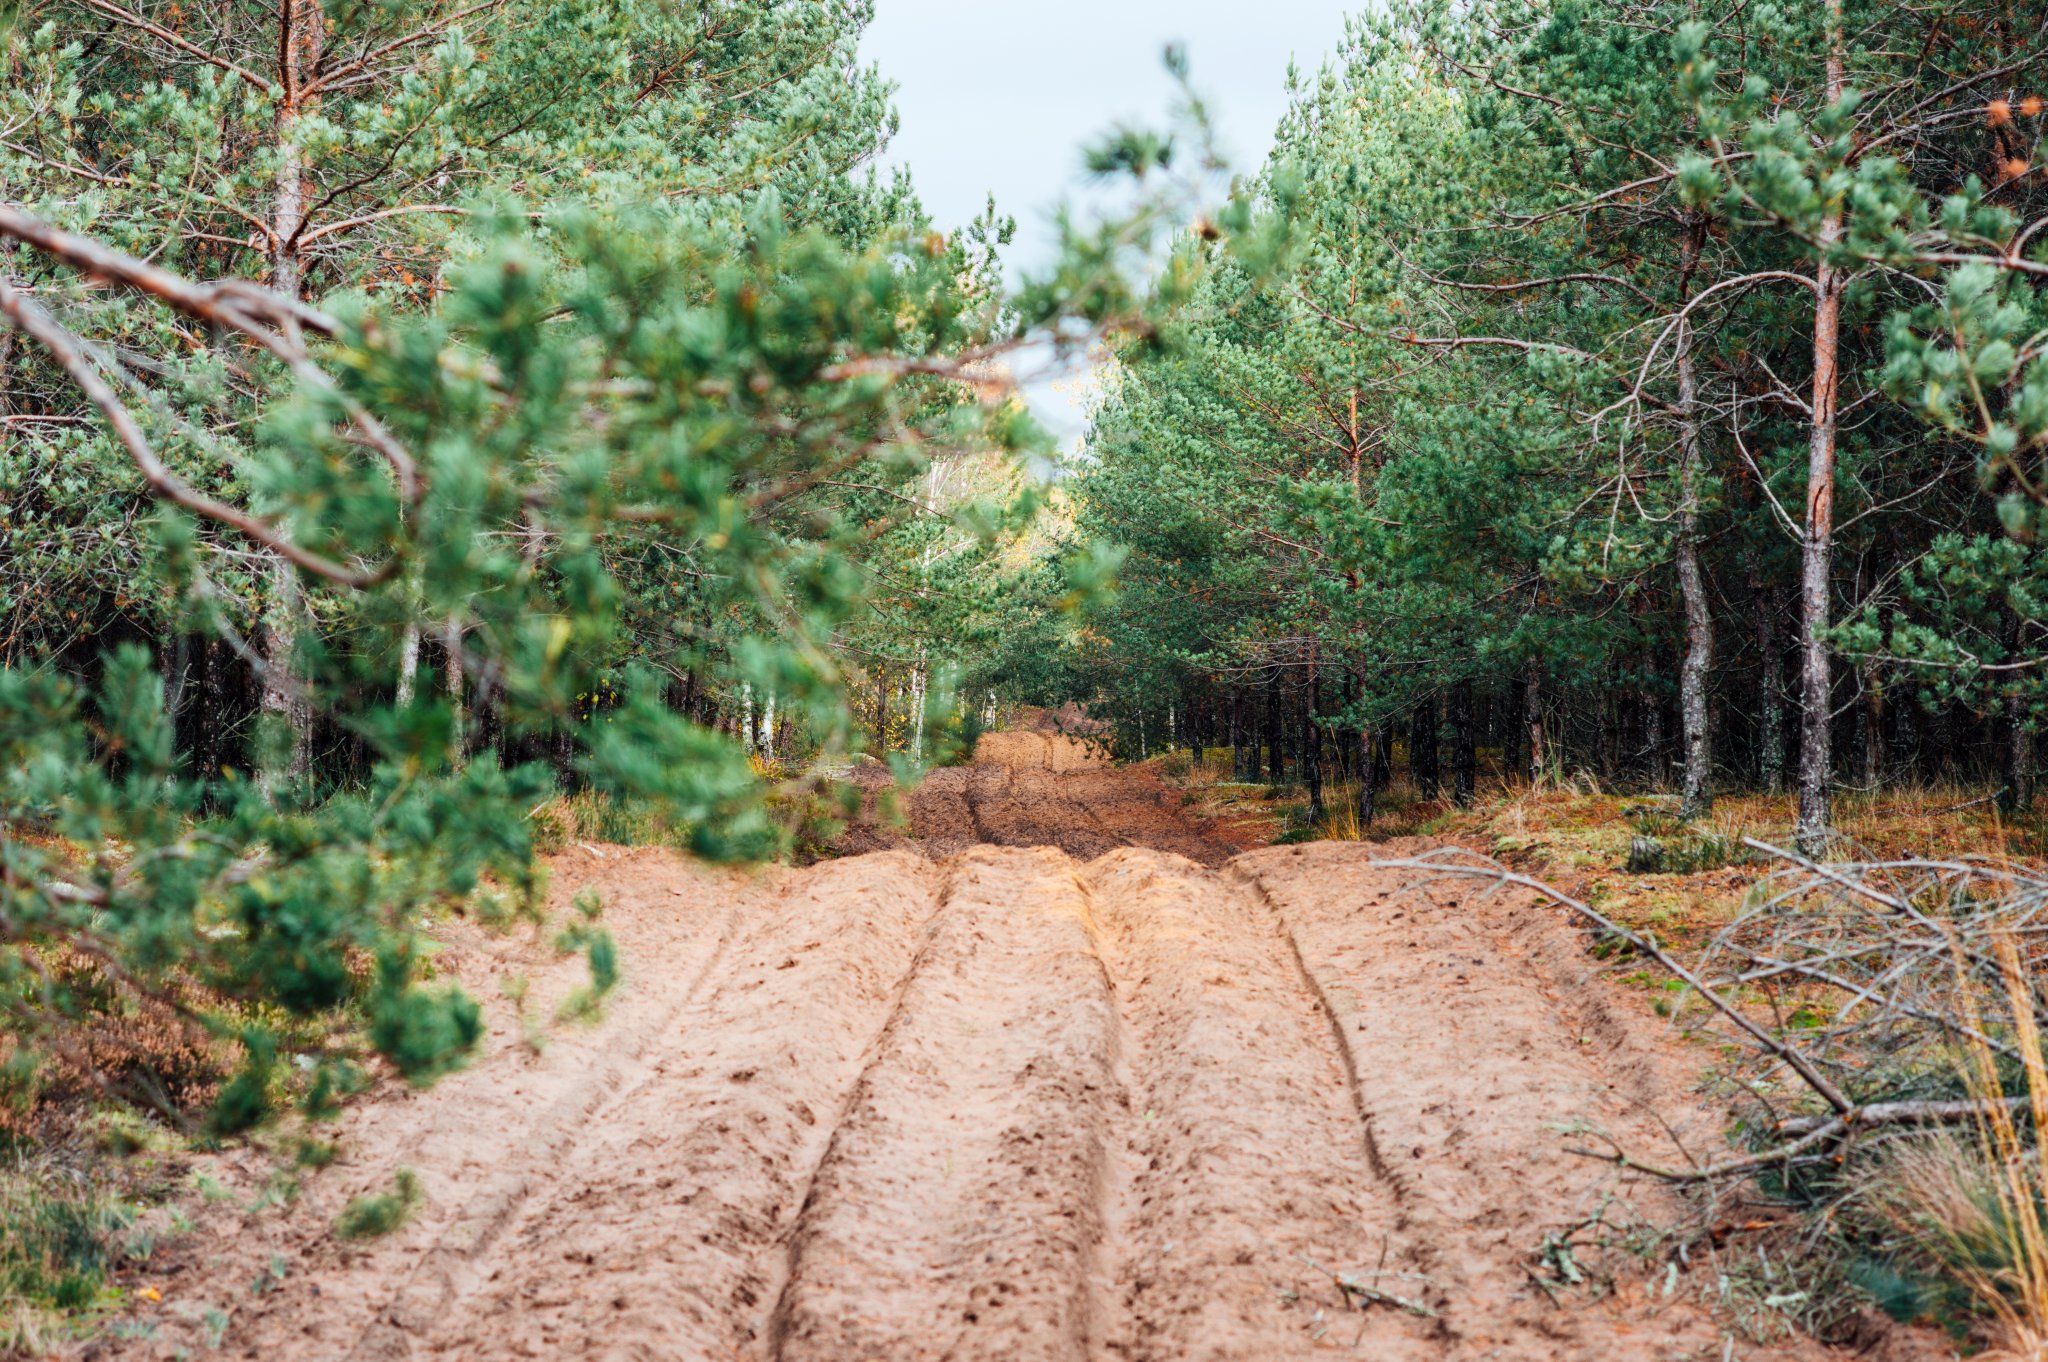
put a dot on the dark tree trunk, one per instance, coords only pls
(2017, 794)
(562, 752)
(1872, 744)
(1696, 769)
(1653, 722)
(1532, 714)
(1368, 773)
(177, 665)
(1464, 763)
(1422, 750)
(1631, 707)
(1607, 724)
(206, 713)
(1770, 692)
(1276, 759)
(1311, 745)
(2016, 752)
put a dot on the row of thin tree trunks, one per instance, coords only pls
(1289, 727)
(216, 695)
(1625, 730)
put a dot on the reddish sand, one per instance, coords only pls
(1066, 1080)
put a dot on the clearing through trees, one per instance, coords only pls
(1016, 1102)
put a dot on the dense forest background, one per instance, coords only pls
(410, 410)
(1649, 390)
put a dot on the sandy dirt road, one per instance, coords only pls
(1068, 1080)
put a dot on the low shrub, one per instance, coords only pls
(376, 1214)
(60, 1240)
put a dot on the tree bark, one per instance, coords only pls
(176, 667)
(408, 661)
(451, 642)
(1532, 719)
(2017, 796)
(1464, 763)
(1653, 723)
(1368, 777)
(206, 724)
(1695, 796)
(1423, 765)
(1276, 758)
(284, 699)
(1816, 766)
(1311, 747)
(1770, 688)
(1873, 728)
(2016, 793)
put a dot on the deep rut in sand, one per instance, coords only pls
(1091, 1099)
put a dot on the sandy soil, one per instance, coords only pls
(1069, 1079)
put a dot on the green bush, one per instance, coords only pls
(375, 1214)
(1685, 853)
(59, 1238)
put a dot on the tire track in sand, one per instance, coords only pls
(663, 1236)
(958, 1211)
(1470, 1071)
(1249, 1178)
(438, 1274)
(483, 1141)
(1008, 1107)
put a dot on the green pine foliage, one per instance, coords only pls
(416, 410)
(1513, 445)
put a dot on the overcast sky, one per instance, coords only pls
(1000, 95)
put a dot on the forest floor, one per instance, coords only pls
(1578, 835)
(1066, 1073)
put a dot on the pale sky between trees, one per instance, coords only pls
(1081, 66)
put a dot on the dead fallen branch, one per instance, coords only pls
(1480, 867)
(1865, 980)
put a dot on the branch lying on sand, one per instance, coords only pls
(1899, 943)
(1480, 867)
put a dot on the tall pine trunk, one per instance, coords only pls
(283, 699)
(2016, 792)
(1816, 766)
(1464, 759)
(408, 661)
(1368, 777)
(1770, 686)
(1311, 747)
(1695, 797)
(453, 678)
(1275, 748)
(2016, 795)
(1873, 727)
(1422, 749)
(1653, 722)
